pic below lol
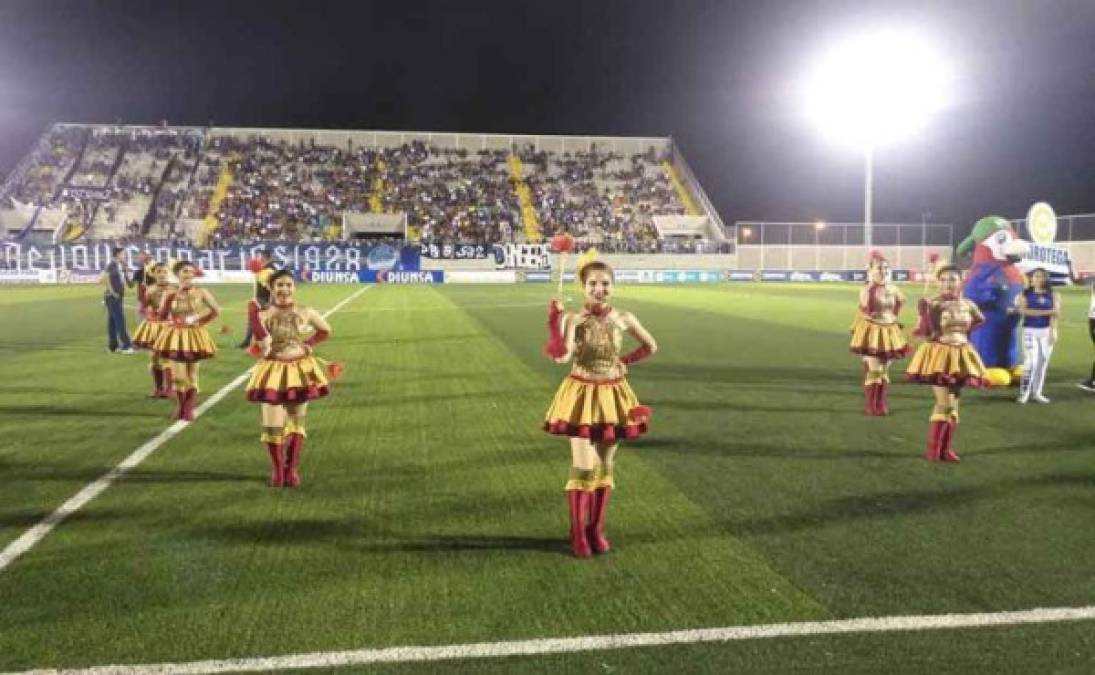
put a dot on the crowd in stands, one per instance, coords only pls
(602, 197)
(299, 191)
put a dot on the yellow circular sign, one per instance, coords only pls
(1042, 223)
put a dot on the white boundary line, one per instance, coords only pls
(31, 537)
(419, 654)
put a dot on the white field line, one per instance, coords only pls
(481, 650)
(35, 534)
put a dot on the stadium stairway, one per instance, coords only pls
(682, 192)
(150, 215)
(30, 223)
(376, 204)
(210, 222)
(533, 233)
(75, 165)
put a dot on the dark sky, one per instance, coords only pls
(717, 76)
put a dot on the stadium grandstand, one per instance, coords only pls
(220, 186)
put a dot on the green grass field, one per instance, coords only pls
(432, 510)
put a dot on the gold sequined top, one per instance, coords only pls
(155, 294)
(287, 327)
(597, 343)
(187, 302)
(953, 319)
(882, 303)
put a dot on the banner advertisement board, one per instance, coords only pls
(304, 258)
(481, 276)
(522, 256)
(456, 251)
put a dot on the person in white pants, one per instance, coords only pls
(1040, 307)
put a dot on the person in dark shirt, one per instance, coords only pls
(116, 280)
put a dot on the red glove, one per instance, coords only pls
(168, 301)
(925, 327)
(556, 345)
(257, 329)
(317, 337)
(208, 318)
(636, 355)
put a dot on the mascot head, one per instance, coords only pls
(993, 239)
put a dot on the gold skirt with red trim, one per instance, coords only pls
(881, 340)
(148, 332)
(599, 411)
(946, 365)
(186, 344)
(290, 381)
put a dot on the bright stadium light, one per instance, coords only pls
(819, 225)
(875, 90)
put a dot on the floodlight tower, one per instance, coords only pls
(874, 90)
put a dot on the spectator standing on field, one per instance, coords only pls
(116, 279)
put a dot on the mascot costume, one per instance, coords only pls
(993, 283)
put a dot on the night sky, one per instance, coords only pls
(717, 76)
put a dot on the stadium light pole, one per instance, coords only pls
(874, 90)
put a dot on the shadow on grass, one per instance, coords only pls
(886, 505)
(731, 407)
(736, 374)
(690, 446)
(61, 411)
(458, 543)
(26, 519)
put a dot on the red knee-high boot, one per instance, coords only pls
(870, 399)
(189, 402)
(936, 429)
(579, 509)
(882, 406)
(157, 383)
(947, 453)
(598, 508)
(181, 396)
(277, 462)
(294, 444)
(168, 382)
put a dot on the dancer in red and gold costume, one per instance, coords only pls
(876, 334)
(946, 360)
(151, 293)
(594, 406)
(184, 340)
(288, 376)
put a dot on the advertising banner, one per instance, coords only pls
(401, 277)
(481, 276)
(304, 258)
(811, 276)
(522, 256)
(456, 251)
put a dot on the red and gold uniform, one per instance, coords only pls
(948, 362)
(594, 400)
(289, 373)
(184, 340)
(594, 407)
(947, 358)
(152, 326)
(287, 376)
(877, 336)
